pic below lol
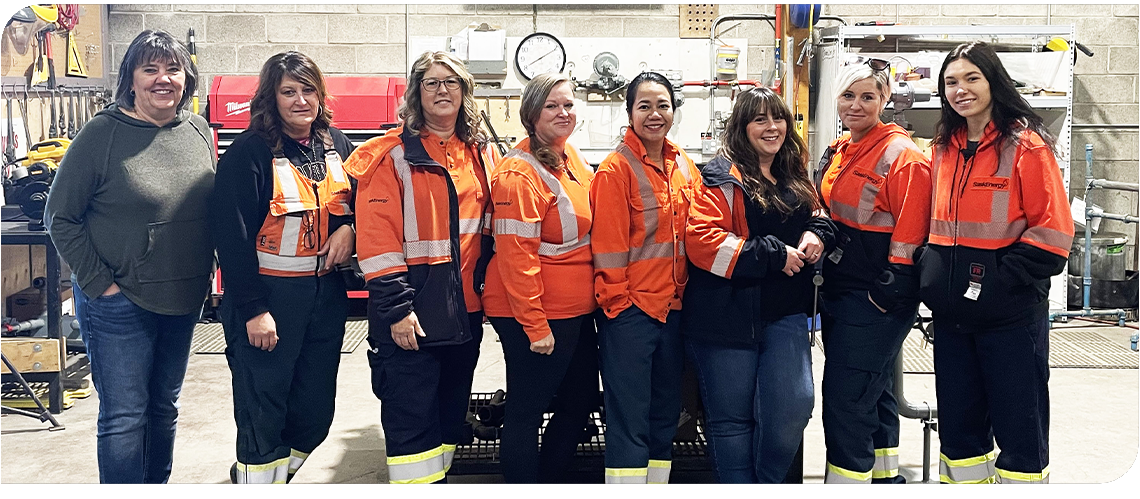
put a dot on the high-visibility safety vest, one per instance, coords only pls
(879, 184)
(639, 245)
(297, 223)
(1008, 192)
(404, 208)
(542, 268)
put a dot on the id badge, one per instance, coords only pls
(836, 255)
(977, 272)
(973, 291)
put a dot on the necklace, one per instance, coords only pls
(313, 169)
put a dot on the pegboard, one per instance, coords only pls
(696, 19)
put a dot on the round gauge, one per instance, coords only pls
(539, 53)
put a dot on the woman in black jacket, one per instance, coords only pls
(744, 316)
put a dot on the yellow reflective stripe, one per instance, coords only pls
(836, 474)
(448, 456)
(888, 451)
(1006, 476)
(296, 459)
(425, 467)
(659, 471)
(626, 475)
(978, 469)
(273, 472)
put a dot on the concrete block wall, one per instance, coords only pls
(371, 39)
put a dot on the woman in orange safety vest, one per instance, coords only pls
(875, 184)
(640, 272)
(539, 294)
(999, 229)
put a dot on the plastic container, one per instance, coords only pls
(726, 58)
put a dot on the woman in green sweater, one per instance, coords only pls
(127, 211)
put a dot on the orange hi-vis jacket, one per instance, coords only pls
(1003, 195)
(542, 268)
(717, 227)
(1000, 227)
(880, 184)
(639, 245)
(290, 236)
(422, 202)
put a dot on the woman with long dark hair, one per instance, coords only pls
(755, 223)
(282, 217)
(999, 229)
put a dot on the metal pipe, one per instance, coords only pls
(712, 54)
(1086, 279)
(927, 413)
(1112, 184)
(1110, 126)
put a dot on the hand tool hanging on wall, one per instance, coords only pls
(72, 108)
(62, 102)
(24, 113)
(494, 136)
(10, 138)
(37, 72)
(50, 61)
(51, 124)
(193, 59)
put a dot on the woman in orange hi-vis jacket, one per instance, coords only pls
(539, 294)
(999, 228)
(743, 318)
(422, 214)
(875, 184)
(640, 273)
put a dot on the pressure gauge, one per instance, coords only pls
(539, 53)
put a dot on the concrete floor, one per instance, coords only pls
(1095, 429)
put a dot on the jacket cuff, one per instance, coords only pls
(537, 333)
(616, 305)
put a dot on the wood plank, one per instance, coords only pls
(31, 355)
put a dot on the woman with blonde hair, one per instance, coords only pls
(424, 242)
(539, 293)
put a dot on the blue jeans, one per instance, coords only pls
(138, 361)
(758, 400)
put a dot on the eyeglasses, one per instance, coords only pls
(309, 238)
(432, 84)
(878, 65)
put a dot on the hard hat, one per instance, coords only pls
(1057, 44)
(46, 12)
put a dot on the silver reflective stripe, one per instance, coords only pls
(649, 202)
(902, 250)
(863, 217)
(448, 456)
(729, 190)
(833, 476)
(551, 249)
(296, 459)
(650, 251)
(486, 220)
(291, 195)
(979, 230)
(336, 170)
(886, 463)
(518, 228)
(440, 248)
(1005, 476)
(382, 261)
(274, 472)
(470, 225)
(626, 475)
(1047, 236)
(404, 172)
(425, 467)
(724, 254)
(286, 263)
(290, 235)
(614, 260)
(658, 471)
(562, 202)
(972, 470)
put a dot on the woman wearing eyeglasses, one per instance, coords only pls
(999, 229)
(282, 218)
(743, 313)
(875, 184)
(424, 242)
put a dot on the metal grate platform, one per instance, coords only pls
(1067, 349)
(209, 337)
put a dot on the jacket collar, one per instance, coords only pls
(414, 151)
(720, 171)
(670, 152)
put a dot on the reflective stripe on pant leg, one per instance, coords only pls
(1005, 476)
(425, 467)
(448, 456)
(626, 475)
(886, 463)
(979, 469)
(274, 472)
(836, 474)
(658, 471)
(296, 459)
